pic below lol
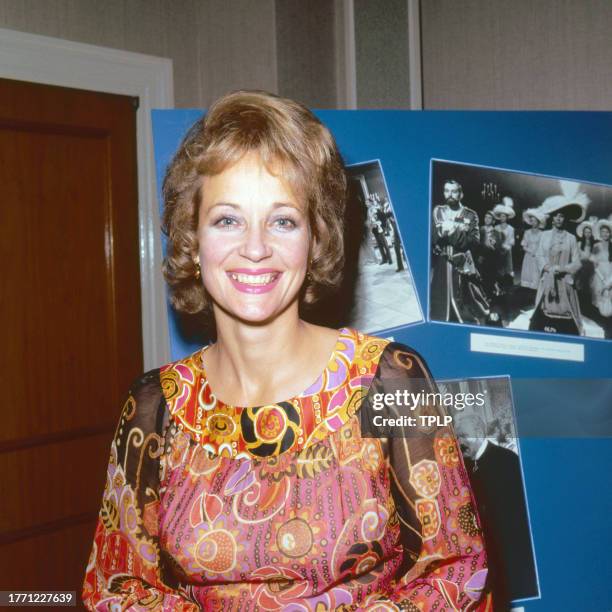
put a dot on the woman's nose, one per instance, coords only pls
(256, 244)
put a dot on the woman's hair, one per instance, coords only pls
(293, 144)
(598, 246)
(561, 211)
(609, 241)
(586, 241)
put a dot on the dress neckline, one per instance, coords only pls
(339, 348)
(324, 407)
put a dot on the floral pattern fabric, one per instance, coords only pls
(285, 506)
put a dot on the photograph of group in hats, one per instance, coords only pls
(520, 251)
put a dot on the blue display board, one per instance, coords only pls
(566, 467)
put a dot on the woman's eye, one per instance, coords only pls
(226, 222)
(285, 223)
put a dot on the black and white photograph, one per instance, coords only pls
(489, 443)
(384, 295)
(520, 251)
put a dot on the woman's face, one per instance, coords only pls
(534, 222)
(604, 233)
(587, 232)
(254, 241)
(503, 218)
(558, 220)
(488, 219)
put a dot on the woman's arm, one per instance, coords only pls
(445, 564)
(525, 243)
(542, 254)
(125, 569)
(575, 263)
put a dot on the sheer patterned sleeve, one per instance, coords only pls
(126, 569)
(444, 561)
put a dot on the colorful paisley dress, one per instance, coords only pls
(285, 506)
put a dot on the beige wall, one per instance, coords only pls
(215, 45)
(236, 46)
(381, 54)
(505, 54)
(306, 48)
(517, 54)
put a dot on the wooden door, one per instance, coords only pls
(70, 318)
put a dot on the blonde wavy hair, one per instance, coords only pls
(289, 140)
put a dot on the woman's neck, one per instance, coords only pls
(251, 365)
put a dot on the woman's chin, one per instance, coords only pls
(253, 314)
(256, 317)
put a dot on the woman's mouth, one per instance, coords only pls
(254, 281)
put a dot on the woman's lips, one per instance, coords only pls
(254, 281)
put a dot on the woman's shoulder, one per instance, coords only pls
(145, 383)
(151, 386)
(147, 392)
(392, 357)
(177, 378)
(355, 355)
(144, 403)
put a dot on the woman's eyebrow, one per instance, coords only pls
(285, 204)
(217, 204)
(275, 206)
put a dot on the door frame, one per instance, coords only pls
(54, 61)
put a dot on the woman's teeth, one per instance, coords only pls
(254, 279)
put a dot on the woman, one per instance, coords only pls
(503, 212)
(530, 275)
(586, 242)
(489, 255)
(602, 276)
(557, 309)
(586, 238)
(238, 477)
